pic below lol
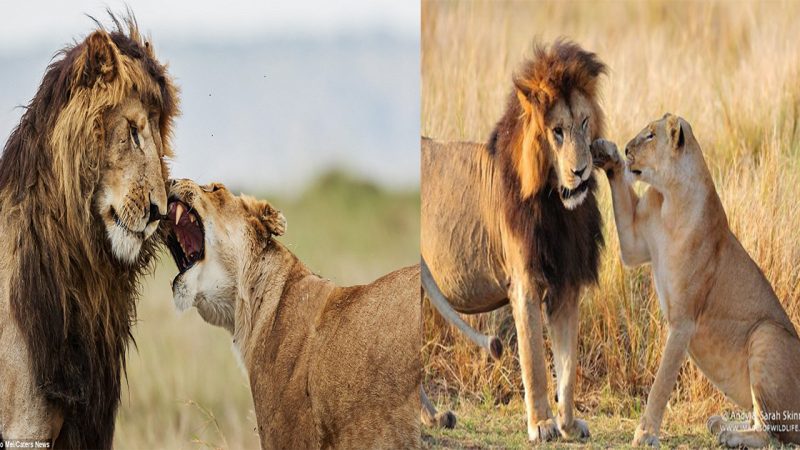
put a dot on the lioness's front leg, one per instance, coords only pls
(633, 247)
(526, 309)
(563, 320)
(671, 361)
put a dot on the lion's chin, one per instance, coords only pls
(575, 201)
(125, 245)
(572, 198)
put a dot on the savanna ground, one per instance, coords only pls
(733, 71)
(185, 388)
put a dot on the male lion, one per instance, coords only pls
(718, 304)
(329, 366)
(82, 189)
(515, 221)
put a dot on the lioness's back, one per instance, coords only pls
(367, 394)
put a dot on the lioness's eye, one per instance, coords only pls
(649, 136)
(135, 135)
(585, 124)
(559, 133)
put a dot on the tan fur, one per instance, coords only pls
(69, 267)
(329, 366)
(719, 307)
(496, 231)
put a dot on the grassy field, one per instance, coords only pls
(185, 388)
(732, 70)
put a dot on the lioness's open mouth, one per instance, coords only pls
(566, 194)
(186, 238)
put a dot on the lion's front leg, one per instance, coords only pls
(563, 320)
(24, 412)
(526, 310)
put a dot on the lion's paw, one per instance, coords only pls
(543, 431)
(644, 437)
(578, 429)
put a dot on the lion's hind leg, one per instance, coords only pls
(433, 418)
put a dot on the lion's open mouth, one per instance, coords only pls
(567, 194)
(186, 239)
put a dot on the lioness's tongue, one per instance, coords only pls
(187, 230)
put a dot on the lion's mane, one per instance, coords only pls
(74, 302)
(562, 246)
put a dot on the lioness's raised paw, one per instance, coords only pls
(644, 437)
(605, 155)
(579, 429)
(543, 431)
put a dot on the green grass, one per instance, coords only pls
(489, 426)
(185, 387)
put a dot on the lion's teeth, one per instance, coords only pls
(178, 212)
(191, 218)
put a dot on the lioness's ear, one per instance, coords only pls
(98, 61)
(675, 131)
(272, 219)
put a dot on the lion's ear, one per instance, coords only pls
(98, 61)
(524, 102)
(272, 219)
(675, 130)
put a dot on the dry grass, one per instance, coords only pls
(731, 69)
(185, 387)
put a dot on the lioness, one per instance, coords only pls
(329, 366)
(717, 302)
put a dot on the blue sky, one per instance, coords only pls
(273, 93)
(28, 23)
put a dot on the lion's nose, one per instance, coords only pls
(155, 214)
(579, 172)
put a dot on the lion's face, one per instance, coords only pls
(652, 155)
(131, 196)
(211, 233)
(568, 129)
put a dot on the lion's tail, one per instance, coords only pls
(491, 344)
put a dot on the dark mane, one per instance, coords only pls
(73, 300)
(562, 246)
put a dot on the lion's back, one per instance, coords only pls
(460, 214)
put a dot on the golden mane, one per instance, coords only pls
(562, 246)
(551, 74)
(73, 300)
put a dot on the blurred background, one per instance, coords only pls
(313, 105)
(731, 69)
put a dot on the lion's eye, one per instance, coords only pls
(585, 124)
(649, 136)
(135, 135)
(558, 132)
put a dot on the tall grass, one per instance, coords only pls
(731, 69)
(185, 387)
